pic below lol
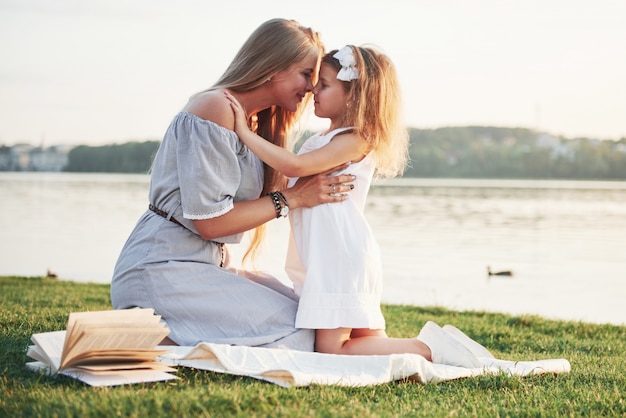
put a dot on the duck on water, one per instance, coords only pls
(499, 273)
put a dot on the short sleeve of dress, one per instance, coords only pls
(209, 172)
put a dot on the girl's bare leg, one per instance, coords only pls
(366, 342)
(433, 343)
(366, 332)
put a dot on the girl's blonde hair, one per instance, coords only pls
(273, 47)
(374, 104)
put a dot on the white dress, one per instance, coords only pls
(333, 259)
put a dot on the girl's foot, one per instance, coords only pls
(445, 349)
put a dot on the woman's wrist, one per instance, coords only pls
(281, 206)
(291, 198)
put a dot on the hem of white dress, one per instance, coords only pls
(329, 311)
(341, 321)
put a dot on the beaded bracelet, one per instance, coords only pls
(282, 197)
(280, 204)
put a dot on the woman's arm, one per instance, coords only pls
(345, 147)
(307, 192)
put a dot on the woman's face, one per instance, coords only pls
(291, 85)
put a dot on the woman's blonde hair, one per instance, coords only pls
(374, 105)
(273, 47)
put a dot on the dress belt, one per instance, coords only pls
(164, 214)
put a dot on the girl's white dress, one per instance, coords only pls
(333, 258)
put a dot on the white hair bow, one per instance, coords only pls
(348, 70)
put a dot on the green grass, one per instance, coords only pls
(595, 387)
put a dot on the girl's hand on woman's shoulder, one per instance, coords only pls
(241, 120)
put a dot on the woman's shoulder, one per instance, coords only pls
(212, 106)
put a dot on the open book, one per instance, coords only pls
(104, 348)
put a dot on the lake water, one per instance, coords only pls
(565, 241)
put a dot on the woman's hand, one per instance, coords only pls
(321, 188)
(241, 119)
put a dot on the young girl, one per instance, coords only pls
(333, 258)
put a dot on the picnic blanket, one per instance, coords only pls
(289, 368)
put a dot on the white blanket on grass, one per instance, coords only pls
(288, 368)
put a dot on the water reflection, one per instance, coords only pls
(565, 241)
(565, 245)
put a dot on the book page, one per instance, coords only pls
(115, 377)
(99, 339)
(37, 353)
(152, 365)
(109, 318)
(116, 356)
(38, 366)
(51, 346)
(121, 330)
(112, 315)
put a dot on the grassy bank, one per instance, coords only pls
(595, 387)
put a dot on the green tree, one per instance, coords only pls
(131, 157)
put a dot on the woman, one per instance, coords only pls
(207, 189)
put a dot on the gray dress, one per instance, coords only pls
(200, 169)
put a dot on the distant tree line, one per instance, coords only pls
(458, 152)
(489, 152)
(130, 157)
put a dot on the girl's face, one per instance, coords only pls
(331, 98)
(291, 85)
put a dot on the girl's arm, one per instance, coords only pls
(343, 148)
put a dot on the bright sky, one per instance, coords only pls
(104, 71)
